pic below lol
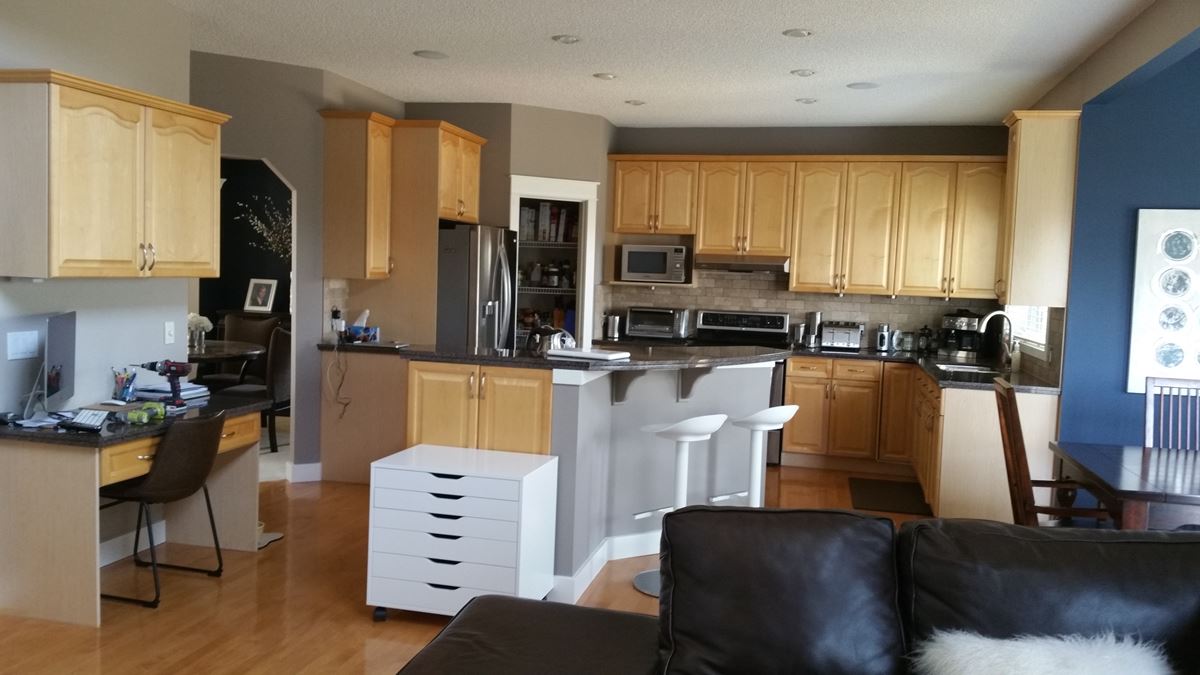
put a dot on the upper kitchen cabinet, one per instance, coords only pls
(817, 226)
(654, 197)
(1035, 242)
(105, 181)
(745, 208)
(459, 154)
(978, 213)
(358, 194)
(872, 206)
(925, 228)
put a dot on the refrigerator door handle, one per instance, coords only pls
(504, 322)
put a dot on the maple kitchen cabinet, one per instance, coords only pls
(839, 406)
(1035, 241)
(459, 156)
(925, 232)
(654, 197)
(484, 407)
(818, 209)
(111, 182)
(745, 208)
(895, 412)
(358, 194)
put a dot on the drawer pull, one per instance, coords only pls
(855, 370)
(146, 458)
(442, 587)
(438, 495)
(227, 434)
(446, 476)
(441, 561)
(444, 536)
(444, 516)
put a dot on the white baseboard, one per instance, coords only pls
(120, 546)
(569, 589)
(303, 473)
(633, 545)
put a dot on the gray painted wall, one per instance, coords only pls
(983, 140)
(274, 108)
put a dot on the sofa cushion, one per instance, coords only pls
(502, 635)
(766, 591)
(1003, 580)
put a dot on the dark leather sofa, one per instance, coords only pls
(790, 591)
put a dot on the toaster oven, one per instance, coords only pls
(658, 322)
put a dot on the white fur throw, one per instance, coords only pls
(957, 652)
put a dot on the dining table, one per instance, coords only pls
(1141, 481)
(217, 351)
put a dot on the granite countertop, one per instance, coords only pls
(642, 356)
(118, 432)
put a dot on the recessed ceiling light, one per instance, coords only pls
(566, 39)
(634, 101)
(804, 72)
(806, 101)
(863, 85)
(797, 32)
(604, 76)
(430, 54)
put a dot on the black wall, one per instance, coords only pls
(973, 140)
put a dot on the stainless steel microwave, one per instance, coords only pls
(658, 264)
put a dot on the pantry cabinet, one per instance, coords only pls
(358, 194)
(105, 181)
(655, 197)
(485, 407)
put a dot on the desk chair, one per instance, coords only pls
(253, 371)
(278, 387)
(181, 466)
(1016, 464)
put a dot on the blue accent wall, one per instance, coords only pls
(1139, 147)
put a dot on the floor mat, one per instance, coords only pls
(893, 496)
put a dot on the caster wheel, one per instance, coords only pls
(380, 614)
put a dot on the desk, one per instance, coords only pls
(1134, 477)
(217, 351)
(49, 506)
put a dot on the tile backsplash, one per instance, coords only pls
(767, 292)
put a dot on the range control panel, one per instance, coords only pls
(760, 322)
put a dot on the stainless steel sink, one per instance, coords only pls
(966, 368)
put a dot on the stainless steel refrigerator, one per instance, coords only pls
(476, 288)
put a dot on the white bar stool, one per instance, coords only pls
(759, 424)
(691, 430)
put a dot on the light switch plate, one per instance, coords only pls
(168, 332)
(22, 345)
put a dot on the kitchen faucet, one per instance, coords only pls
(1008, 346)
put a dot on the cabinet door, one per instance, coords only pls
(469, 166)
(923, 233)
(768, 220)
(895, 415)
(633, 197)
(183, 214)
(719, 207)
(806, 431)
(442, 404)
(817, 226)
(978, 207)
(449, 176)
(1004, 241)
(379, 200)
(675, 197)
(97, 178)
(514, 409)
(853, 418)
(872, 203)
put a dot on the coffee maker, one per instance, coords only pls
(959, 336)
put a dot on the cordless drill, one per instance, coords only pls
(173, 370)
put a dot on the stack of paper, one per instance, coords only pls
(189, 391)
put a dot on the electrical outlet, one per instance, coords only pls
(169, 333)
(22, 345)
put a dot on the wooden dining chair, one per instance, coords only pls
(1016, 464)
(1172, 413)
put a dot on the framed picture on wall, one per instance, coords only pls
(260, 296)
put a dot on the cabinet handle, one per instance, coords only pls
(841, 285)
(227, 434)
(855, 370)
(391, 264)
(834, 391)
(952, 286)
(826, 390)
(483, 386)
(153, 257)
(145, 458)
(142, 267)
(942, 288)
(471, 386)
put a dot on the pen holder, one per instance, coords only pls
(123, 385)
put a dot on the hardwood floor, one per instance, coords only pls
(298, 605)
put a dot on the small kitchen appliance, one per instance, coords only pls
(658, 322)
(653, 263)
(959, 335)
(883, 338)
(842, 335)
(612, 326)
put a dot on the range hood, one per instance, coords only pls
(741, 263)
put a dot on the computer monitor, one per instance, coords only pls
(59, 358)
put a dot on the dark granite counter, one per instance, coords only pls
(642, 357)
(1022, 382)
(118, 432)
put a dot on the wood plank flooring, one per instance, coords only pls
(298, 605)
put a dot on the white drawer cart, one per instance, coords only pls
(448, 524)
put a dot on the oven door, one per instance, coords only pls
(650, 322)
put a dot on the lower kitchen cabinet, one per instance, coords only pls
(853, 415)
(363, 396)
(806, 431)
(486, 407)
(895, 413)
(838, 413)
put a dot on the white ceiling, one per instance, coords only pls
(694, 62)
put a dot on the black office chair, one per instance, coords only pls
(278, 387)
(181, 466)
